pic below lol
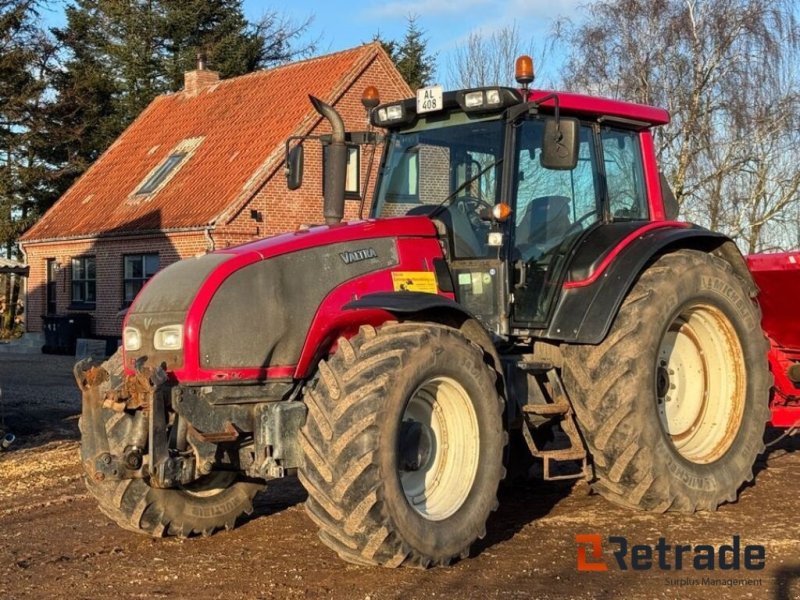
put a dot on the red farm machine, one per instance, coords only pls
(778, 279)
(522, 283)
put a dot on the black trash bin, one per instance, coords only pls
(61, 332)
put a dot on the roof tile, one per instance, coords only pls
(243, 121)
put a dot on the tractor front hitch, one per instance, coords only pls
(92, 382)
(124, 427)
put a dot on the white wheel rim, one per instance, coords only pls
(701, 384)
(445, 416)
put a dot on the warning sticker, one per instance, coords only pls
(414, 281)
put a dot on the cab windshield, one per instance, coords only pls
(449, 166)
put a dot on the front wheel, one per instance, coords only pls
(673, 403)
(213, 502)
(403, 446)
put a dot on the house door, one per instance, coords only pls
(52, 275)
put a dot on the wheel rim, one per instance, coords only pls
(438, 448)
(210, 485)
(701, 384)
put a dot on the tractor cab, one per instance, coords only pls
(514, 180)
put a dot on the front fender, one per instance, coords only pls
(407, 302)
(334, 317)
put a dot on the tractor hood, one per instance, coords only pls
(244, 312)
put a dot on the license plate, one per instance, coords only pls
(429, 99)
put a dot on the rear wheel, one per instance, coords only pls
(201, 507)
(673, 403)
(403, 446)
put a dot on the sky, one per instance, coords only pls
(337, 25)
(447, 23)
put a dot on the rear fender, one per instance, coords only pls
(592, 295)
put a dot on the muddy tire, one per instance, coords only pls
(211, 503)
(673, 403)
(403, 446)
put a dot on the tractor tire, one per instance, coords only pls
(673, 403)
(202, 507)
(403, 446)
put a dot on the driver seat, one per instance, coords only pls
(546, 219)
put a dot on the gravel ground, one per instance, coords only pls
(40, 401)
(54, 543)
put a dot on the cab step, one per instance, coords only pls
(558, 407)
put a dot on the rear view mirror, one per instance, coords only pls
(560, 144)
(294, 167)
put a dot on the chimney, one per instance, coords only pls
(199, 79)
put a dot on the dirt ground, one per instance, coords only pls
(55, 544)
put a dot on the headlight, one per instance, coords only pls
(391, 113)
(487, 99)
(473, 99)
(168, 338)
(394, 112)
(131, 339)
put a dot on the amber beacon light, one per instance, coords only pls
(523, 71)
(370, 98)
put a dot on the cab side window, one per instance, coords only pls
(553, 204)
(622, 157)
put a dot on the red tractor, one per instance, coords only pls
(521, 277)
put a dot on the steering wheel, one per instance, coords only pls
(471, 207)
(579, 224)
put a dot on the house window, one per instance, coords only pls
(162, 172)
(137, 270)
(352, 184)
(84, 280)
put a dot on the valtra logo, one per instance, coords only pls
(354, 256)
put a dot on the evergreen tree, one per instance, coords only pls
(216, 28)
(117, 55)
(85, 117)
(414, 63)
(23, 175)
(410, 55)
(389, 46)
(22, 51)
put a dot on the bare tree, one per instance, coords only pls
(284, 38)
(727, 72)
(488, 59)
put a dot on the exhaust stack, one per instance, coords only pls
(335, 164)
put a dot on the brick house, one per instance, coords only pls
(198, 170)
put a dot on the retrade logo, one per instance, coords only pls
(667, 557)
(595, 543)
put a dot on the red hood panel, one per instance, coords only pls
(322, 235)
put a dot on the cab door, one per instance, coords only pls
(479, 274)
(552, 208)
